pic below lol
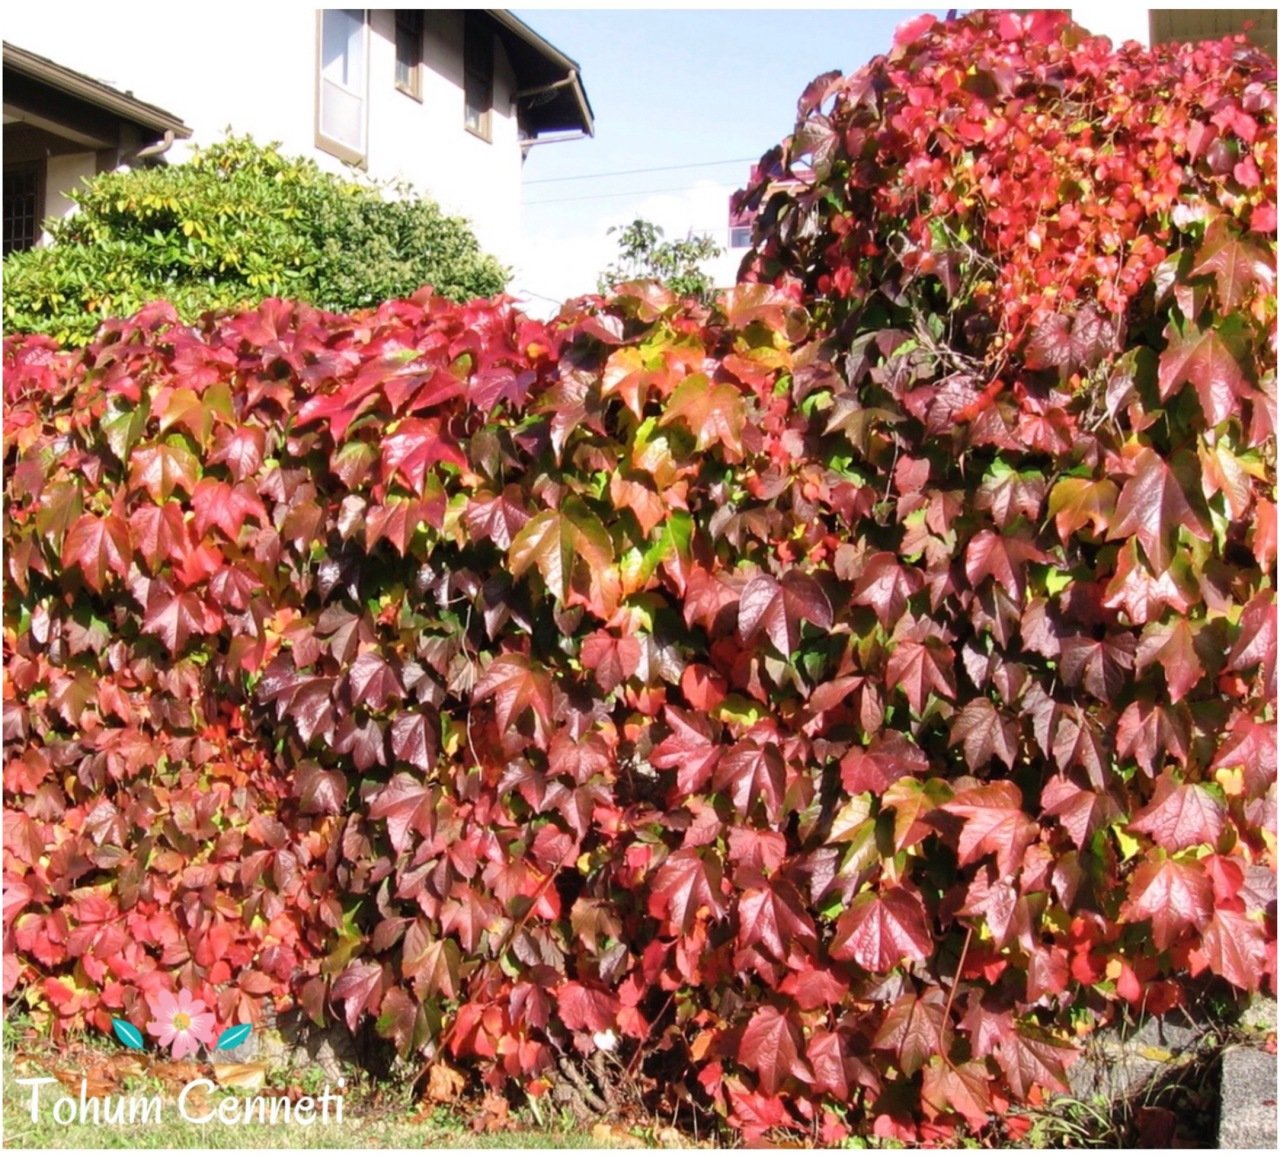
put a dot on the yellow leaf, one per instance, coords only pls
(1231, 779)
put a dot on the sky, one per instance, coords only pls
(690, 99)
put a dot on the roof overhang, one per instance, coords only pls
(549, 87)
(27, 75)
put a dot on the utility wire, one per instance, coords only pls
(603, 196)
(633, 172)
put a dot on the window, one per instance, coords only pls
(341, 105)
(477, 71)
(740, 237)
(21, 207)
(409, 51)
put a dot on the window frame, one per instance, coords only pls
(37, 170)
(405, 21)
(343, 150)
(478, 65)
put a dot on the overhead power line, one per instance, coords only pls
(633, 172)
(603, 196)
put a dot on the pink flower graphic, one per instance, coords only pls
(180, 1021)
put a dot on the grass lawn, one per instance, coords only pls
(373, 1117)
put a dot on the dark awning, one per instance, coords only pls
(549, 89)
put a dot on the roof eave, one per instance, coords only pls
(550, 52)
(93, 92)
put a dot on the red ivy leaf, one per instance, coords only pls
(217, 503)
(880, 931)
(751, 771)
(1203, 358)
(1234, 263)
(1172, 895)
(514, 683)
(994, 823)
(1152, 507)
(686, 887)
(1004, 558)
(1030, 1061)
(320, 790)
(360, 990)
(413, 740)
(1255, 646)
(408, 806)
(917, 668)
(826, 1057)
(691, 750)
(557, 541)
(583, 1008)
(885, 585)
(1071, 342)
(913, 1029)
(162, 468)
(1251, 747)
(1181, 816)
(890, 756)
(773, 916)
(241, 450)
(1173, 647)
(1234, 946)
(174, 618)
(776, 608)
(912, 802)
(1100, 664)
(963, 1088)
(984, 732)
(416, 446)
(1073, 502)
(373, 682)
(498, 519)
(712, 411)
(99, 547)
(1081, 812)
(773, 1045)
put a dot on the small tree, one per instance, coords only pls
(237, 223)
(642, 253)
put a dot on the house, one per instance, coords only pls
(61, 126)
(1150, 26)
(448, 100)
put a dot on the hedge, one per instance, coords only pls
(828, 705)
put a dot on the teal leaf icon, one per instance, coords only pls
(236, 1035)
(127, 1034)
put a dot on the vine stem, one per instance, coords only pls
(951, 996)
(631, 1064)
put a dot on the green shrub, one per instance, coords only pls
(644, 255)
(237, 223)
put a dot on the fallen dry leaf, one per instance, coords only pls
(249, 1077)
(95, 1085)
(175, 1074)
(493, 1115)
(444, 1084)
(615, 1137)
(124, 1065)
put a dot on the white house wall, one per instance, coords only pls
(426, 143)
(257, 75)
(62, 175)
